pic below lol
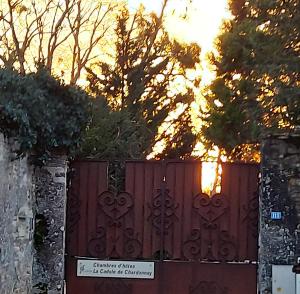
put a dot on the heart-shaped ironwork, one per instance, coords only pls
(115, 206)
(210, 208)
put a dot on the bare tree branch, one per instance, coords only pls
(29, 26)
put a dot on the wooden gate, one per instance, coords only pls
(200, 244)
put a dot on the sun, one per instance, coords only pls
(198, 22)
(201, 22)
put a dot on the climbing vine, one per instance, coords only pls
(42, 113)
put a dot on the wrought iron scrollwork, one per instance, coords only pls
(115, 208)
(227, 247)
(132, 246)
(210, 209)
(208, 287)
(192, 247)
(97, 245)
(162, 206)
(210, 241)
(251, 214)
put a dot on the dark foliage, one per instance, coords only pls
(140, 89)
(42, 113)
(257, 88)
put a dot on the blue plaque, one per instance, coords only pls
(276, 215)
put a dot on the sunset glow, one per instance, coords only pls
(200, 22)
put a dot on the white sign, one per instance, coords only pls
(115, 269)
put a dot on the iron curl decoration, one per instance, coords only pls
(251, 214)
(132, 246)
(97, 245)
(157, 207)
(209, 241)
(227, 248)
(124, 242)
(210, 208)
(115, 206)
(191, 249)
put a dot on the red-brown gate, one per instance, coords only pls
(200, 244)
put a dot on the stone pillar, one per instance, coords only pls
(50, 188)
(16, 221)
(280, 192)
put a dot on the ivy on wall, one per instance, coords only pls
(42, 113)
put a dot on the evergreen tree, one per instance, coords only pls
(146, 83)
(257, 85)
(111, 134)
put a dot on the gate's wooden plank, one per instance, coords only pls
(139, 199)
(197, 177)
(130, 185)
(102, 178)
(230, 186)
(73, 211)
(130, 177)
(192, 187)
(178, 194)
(91, 196)
(244, 199)
(157, 181)
(82, 225)
(197, 222)
(239, 182)
(173, 187)
(252, 213)
(147, 225)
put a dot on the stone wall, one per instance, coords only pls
(32, 220)
(280, 192)
(16, 221)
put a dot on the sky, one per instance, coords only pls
(202, 24)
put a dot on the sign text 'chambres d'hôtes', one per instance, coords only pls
(115, 269)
